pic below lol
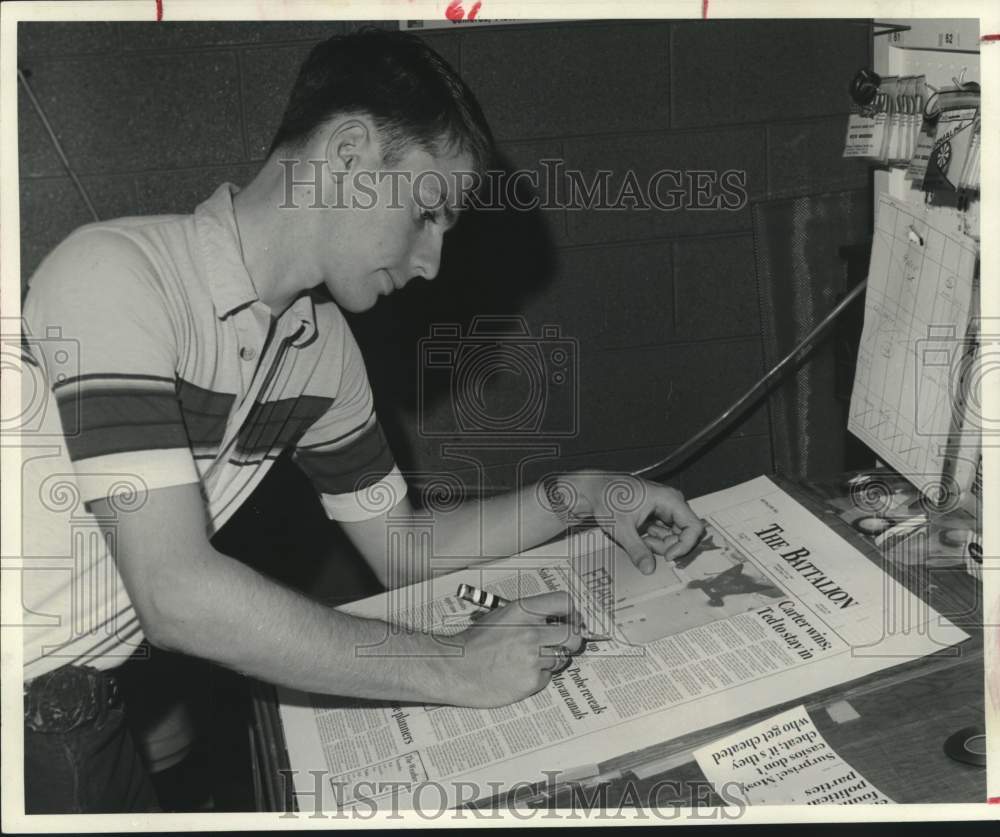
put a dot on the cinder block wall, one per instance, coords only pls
(663, 304)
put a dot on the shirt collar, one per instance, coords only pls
(303, 312)
(229, 282)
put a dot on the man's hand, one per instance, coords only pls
(644, 518)
(511, 652)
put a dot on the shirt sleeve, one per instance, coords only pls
(97, 325)
(344, 452)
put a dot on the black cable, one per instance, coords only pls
(668, 462)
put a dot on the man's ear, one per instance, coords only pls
(349, 146)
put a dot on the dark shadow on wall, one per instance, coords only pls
(493, 261)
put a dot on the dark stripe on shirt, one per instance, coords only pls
(279, 424)
(122, 439)
(113, 420)
(351, 432)
(358, 464)
(205, 413)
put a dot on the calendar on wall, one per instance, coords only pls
(915, 399)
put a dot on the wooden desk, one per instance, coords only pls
(904, 713)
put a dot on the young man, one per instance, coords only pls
(209, 344)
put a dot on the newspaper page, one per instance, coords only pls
(785, 761)
(772, 605)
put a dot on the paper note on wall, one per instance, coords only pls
(784, 761)
(916, 360)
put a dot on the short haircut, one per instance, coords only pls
(412, 95)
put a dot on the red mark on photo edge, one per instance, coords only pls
(704, 9)
(989, 39)
(159, 9)
(455, 12)
(993, 800)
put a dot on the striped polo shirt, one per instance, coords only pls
(167, 369)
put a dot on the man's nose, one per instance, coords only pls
(427, 256)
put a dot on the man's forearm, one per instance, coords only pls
(639, 516)
(234, 616)
(481, 530)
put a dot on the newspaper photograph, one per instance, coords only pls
(771, 606)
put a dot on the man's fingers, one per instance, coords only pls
(687, 526)
(688, 540)
(569, 637)
(552, 609)
(659, 530)
(628, 538)
(677, 512)
(556, 603)
(656, 545)
(569, 630)
(566, 630)
(660, 545)
(558, 658)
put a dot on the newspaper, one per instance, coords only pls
(785, 761)
(771, 606)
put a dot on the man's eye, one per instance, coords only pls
(428, 217)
